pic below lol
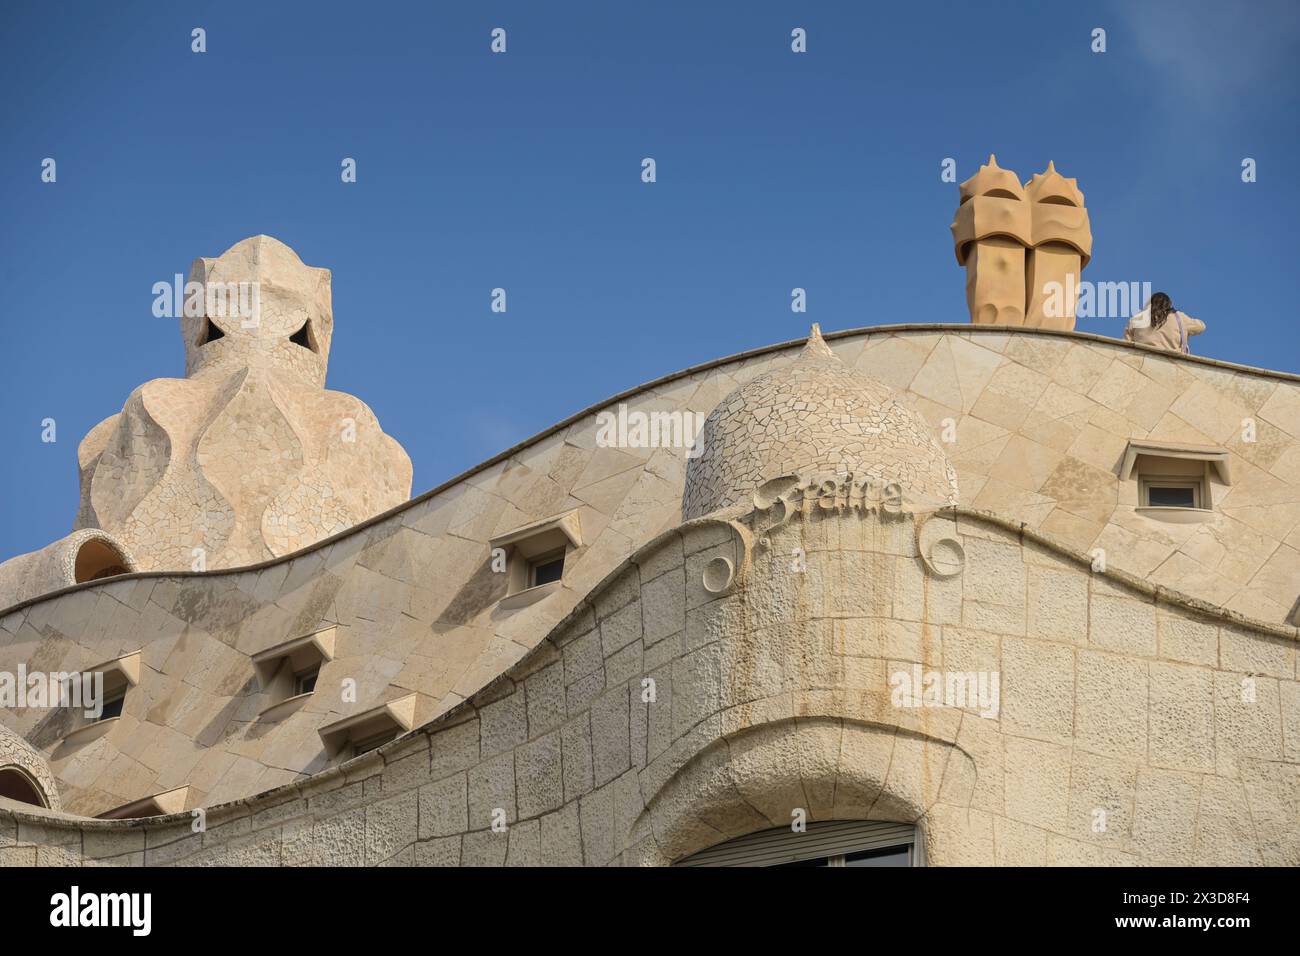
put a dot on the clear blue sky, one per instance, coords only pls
(522, 170)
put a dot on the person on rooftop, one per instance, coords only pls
(1162, 326)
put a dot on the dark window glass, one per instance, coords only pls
(1164, 496)
(819, 861)
(113, 707)
(894, 856)
(548, 571)
(305, 683)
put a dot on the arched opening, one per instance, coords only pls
(97, 559)
(17, 784)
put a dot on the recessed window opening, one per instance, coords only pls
(98, 559)
(535, 557)
(547, 568)
(210, 332)
(304, 682)
(1172, 484)
(363, 732)
(288, 672)
(373, 742)
(118, 676)
(1167, 494)
(1174, 481)
(17, 784)
(113, 704)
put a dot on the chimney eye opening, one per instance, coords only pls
(211, 332)
(304, 337)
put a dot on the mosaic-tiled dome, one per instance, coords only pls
(815, 416)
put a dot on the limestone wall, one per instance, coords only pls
(1041, 421)
(772, 693)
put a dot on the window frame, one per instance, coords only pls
(281, 668)
(1147, 463)
(342, 737)
(365, 745)
(529, 547)
(831, 841)
(1197, 485)
(541, 561)
(300, 677)
(120, 675)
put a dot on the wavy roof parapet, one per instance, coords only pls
(965, 328)
(419, 737)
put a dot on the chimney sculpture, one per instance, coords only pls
(1062, 247)
(248, 457)
(1023, 247)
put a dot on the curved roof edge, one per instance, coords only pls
(965, 327)
(364, 766)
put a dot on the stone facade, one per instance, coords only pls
(1160, 687)
(1174, 725)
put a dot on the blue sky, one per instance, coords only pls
(522, 170)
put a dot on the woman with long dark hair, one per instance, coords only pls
(1163, 326)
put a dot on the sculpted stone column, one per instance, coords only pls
(991, 231)
(1062, 246)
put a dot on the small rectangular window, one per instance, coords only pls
(118, 676)
(1173, 482)
(304, 682)
(1166, 496)
(1164, 493)
(288, 672)
(548, 568)
(362, 732)
(535, 556)
(113, 705)
(374, 742)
